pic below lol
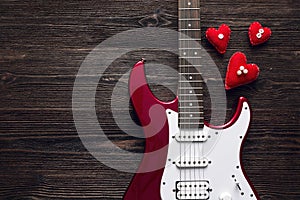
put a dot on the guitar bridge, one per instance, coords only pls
(187, 190)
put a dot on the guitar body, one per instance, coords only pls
(207, 168)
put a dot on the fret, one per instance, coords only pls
(191, 57)
(190, 88)
(186, 93)
(193, 113)
(190, 29)
(189, 73)
(193, 95)
(189, 85)
(184, 65)
(189, 66)
(189, 19)
(189, 8)
(189, 39)
(195, 81)
(190, 101)
(196, 48)
(189, 69)
(194, 107)
(189, 112)
(191, 118)
(190, 124)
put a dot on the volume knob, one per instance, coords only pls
(225, 196)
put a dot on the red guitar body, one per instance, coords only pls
(146, 184)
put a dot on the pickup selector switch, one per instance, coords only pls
(225, 196)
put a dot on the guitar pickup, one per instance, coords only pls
(192, 162)
(191, 136)
(186, 190)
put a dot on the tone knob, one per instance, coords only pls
(225, 196)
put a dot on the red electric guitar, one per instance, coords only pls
(186, 167)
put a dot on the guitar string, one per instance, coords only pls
(180, 96)
(187, 152)
(187, 149)
(202, 98)
(196, 129)
(185, 31)
(201, 91)
(189, 99)
(197, 26)
(185, 100)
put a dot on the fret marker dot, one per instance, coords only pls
(191, 104)
(196, 53)
(191, 115)
(190, 25)
(191, 91)
(189, 3)
(221, 36)
(191, 77)
(184, 53)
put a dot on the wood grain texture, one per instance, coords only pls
(42, 47)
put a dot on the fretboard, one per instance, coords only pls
(190, 87)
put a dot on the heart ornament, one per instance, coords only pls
(258, 34)
(239, 72)
(219, 38)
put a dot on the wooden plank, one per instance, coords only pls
(42, 47)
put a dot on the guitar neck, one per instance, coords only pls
(190, 89)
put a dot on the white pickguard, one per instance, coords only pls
(224, 175)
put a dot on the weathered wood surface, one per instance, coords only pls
(43, 44)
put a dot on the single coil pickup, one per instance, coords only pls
(192, 163)
(192, 190)
(191, 136)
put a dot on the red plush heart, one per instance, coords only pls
(219, 38)
(239, 72)
(258, 34)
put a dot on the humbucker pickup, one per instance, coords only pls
(186, 190)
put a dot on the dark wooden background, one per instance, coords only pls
(42, 45)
